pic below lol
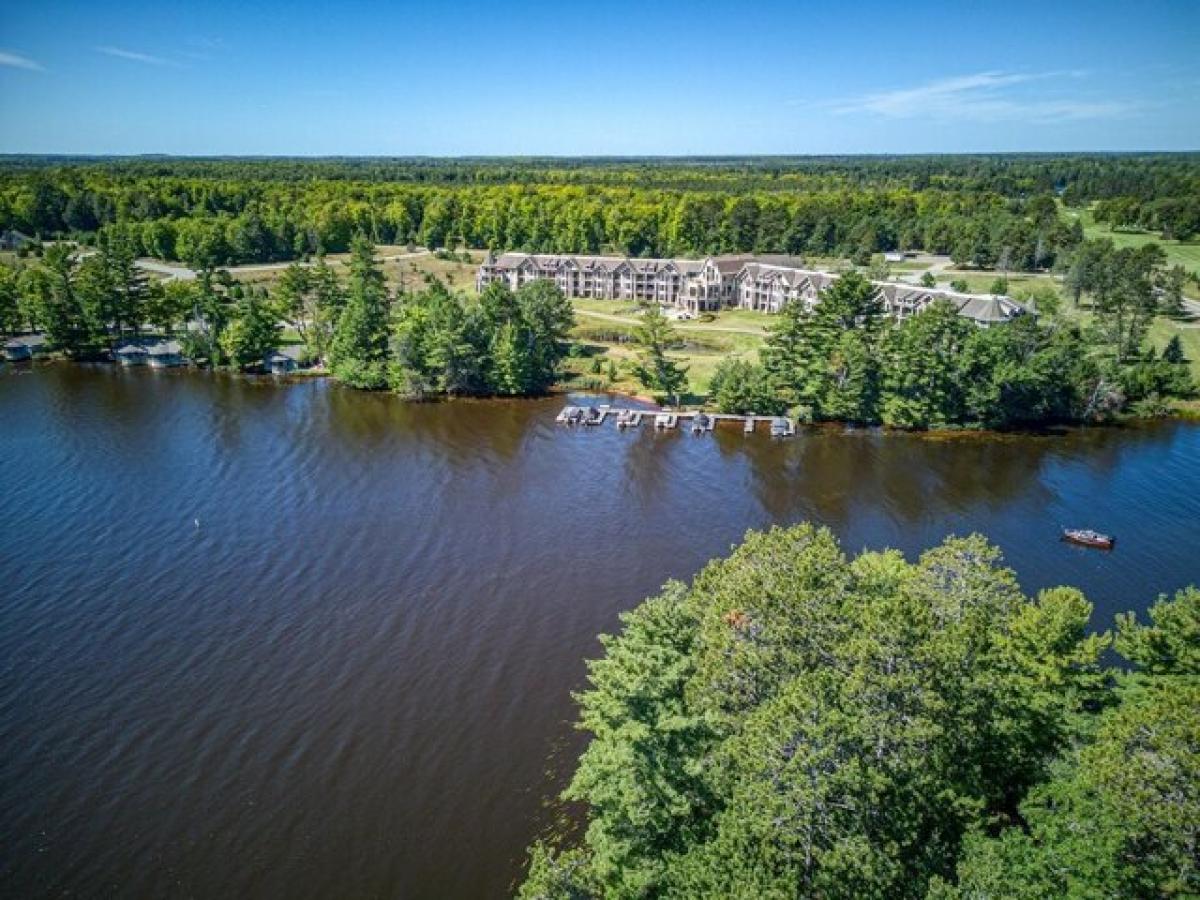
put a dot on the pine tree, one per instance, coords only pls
(358, 352)
(253, 333)
(654, 369)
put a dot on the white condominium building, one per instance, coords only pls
(763, 283)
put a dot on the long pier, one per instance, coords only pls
(696, 421)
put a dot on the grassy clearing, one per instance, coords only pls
(981, 282)
(1189, 335)
(400, 268)
(605, 330)
(1186, 254)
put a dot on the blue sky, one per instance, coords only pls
(307, 78)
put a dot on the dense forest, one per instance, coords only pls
(987, 211)
(797, 723)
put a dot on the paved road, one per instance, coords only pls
(179, 273)
(183, 273)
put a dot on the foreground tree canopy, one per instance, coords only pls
(796, 723)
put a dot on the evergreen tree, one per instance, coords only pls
(510, 370)
(791, 355)
(796, 723)
(56, 302)
(253, 332)
(655, 370)
(922, 384)
(741, 387)
(546, 315)
(358, 351)
(1118, 815)
(10, 300)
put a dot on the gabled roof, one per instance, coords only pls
(26, 340)
(773, 268)
(731, 265)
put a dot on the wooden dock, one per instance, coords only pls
(697, 421)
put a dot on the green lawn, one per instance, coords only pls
(981, 282)
(732, 333)
(1178, 253)
(1189, 335)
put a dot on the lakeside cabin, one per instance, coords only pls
(283, 360)
(130, 355)
(164, 355)
(25, 346)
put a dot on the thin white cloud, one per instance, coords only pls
(986, 96)
(204, 42)
(135, 56)
(16, 61)
(202, 48)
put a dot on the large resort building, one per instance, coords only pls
(763, 283)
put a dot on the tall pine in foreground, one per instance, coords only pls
(797, 723)
(358, 352)
(654, 369)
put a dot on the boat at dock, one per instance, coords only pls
(570, 415)
(782, 426)
(594, 416)
(628, 418)
(665, 420)
(701, 423)
(1086, 537)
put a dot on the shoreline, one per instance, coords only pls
(1183, 410)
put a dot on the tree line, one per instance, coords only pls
(844, 360)
(1175, 218)
(797, 723)
(206, 223)
(840, 360)
(1080, 177)
(420, 343)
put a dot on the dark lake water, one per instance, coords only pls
(352, 678)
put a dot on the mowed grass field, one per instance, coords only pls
(1186, 254)
(605, 327)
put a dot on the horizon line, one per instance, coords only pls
(589, 156)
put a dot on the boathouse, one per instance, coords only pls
(164, 355)
(284, 360)
(130, 355)
(25, 346)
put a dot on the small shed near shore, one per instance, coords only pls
(25, 346)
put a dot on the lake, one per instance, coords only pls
(264, 640)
